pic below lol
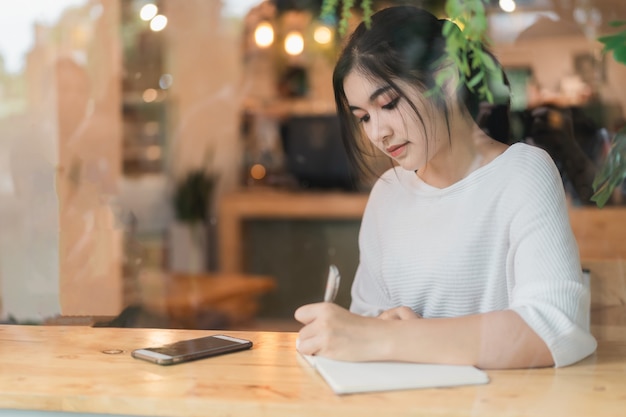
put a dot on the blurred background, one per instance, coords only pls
(177, 163)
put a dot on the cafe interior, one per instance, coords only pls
(173, 169)
(178, 163)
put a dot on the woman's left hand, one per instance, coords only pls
(332, 331)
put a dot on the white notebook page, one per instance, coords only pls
(353, 377)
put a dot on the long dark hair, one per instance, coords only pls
(403, 43)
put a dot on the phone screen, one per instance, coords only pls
(186, 350)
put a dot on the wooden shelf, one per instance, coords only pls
(276, 204)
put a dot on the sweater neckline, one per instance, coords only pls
(416, 184)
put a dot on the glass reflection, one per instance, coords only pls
(102, 119)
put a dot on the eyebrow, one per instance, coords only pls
(380, 91)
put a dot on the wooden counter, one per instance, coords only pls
(600, 233)
(235, 208)
(77, 369)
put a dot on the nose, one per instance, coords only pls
(378, 129)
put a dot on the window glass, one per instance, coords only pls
(149, 146)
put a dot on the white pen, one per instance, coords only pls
(332, 284)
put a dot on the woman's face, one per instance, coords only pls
(390, 122)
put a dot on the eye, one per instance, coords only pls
(392, 104)
(361, 116)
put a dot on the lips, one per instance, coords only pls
(396, 150)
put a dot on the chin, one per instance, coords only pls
(408, 165)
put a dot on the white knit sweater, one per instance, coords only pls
(498, 239)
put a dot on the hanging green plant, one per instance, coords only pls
(612, 173)
(480, 69)
(471, 17)
(616, 43)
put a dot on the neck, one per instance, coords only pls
(455, 157)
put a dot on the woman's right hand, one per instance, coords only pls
(399, 313)
(334, 332)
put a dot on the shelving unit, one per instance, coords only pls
(144, 107)
(144, 92)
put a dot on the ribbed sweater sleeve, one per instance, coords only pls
(547, 286)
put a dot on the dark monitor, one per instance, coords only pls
(314, 153)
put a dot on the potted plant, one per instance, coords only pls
(189, 234)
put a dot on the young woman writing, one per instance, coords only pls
(466, 251)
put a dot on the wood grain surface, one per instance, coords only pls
(85, 369)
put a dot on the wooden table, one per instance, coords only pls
(90, 370)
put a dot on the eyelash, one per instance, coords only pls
(392, 104)
(389, 106)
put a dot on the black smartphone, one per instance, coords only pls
(192, 349)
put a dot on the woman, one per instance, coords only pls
(466, 252)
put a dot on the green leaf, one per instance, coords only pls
(477, 61)
(478, 26)
(620, 54)
(613, 41)
(476, 79)
(464, 65)
(328, 8)
(367, 12)
(345, 16)
(617, 23)
(612, 173)
(442, 76)
(448, 26)
(489, 62)
(453, 8)
(487, 94)
(601, 196)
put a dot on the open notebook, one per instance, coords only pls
(353, 377)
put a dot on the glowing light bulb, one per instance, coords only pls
(264, 35)
(148, 11)
(158, 23)
(323, 35)
(166, 81)
(149, 95)
(294, 43)
(507, 5)
(257, 171)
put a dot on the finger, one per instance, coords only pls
(307, 313)
(398, 313)
(307, 332)
(391, 314)
(388, 315)
(308, 346)
(405, 313)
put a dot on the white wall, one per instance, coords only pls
(60, 246)
(29, 237)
